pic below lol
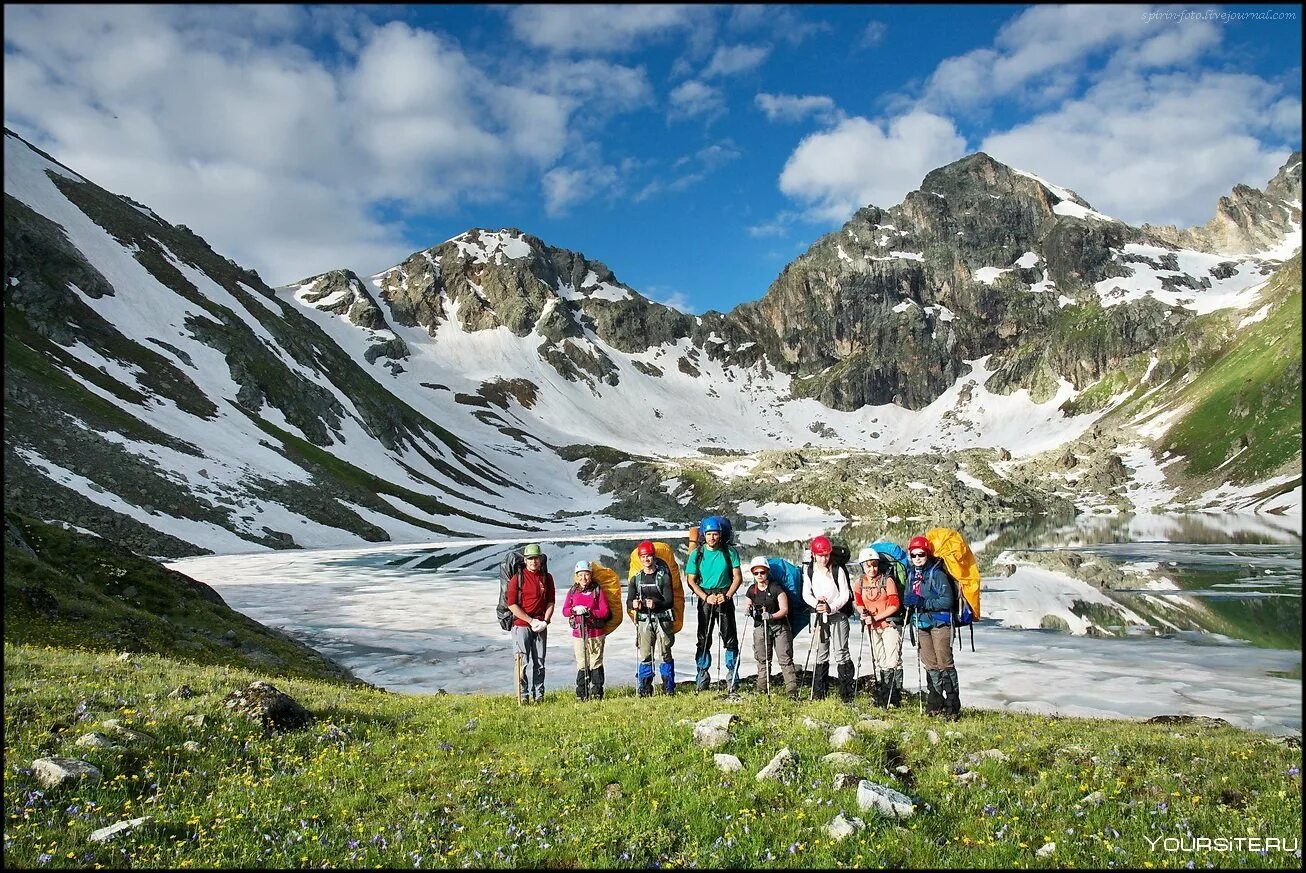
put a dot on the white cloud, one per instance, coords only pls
(694, 97)
(859, 162)
(873, 34)
(677, 300)
(693, 169)
(1161, 149)
(729, 60)
(221, 121)
(1061, 39)
(599, 28)
(789, 107)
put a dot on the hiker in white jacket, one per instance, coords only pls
(827, 591)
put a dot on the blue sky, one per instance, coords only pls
(695, 150)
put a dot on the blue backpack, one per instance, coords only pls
(898, 555)
(791, 577)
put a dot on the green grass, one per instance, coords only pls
(1253, 390)
(455, 780)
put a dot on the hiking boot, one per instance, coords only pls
(596, 683)
(893, 694)
(667, 672)
(701, 681)
(951, 693)
(846, 677)
(934, 703)
(582, 688)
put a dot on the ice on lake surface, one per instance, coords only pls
(420, 618)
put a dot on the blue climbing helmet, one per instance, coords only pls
(712, 523)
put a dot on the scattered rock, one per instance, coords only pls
(471, 724)
(867, 725)
(842, 828)
(106, 834)
(714, 730)
(191, 746)
(884, 800)
(842, 736)
(812, 724)
(727, 763)
(784, 766)
(96, 740)
(1094, 799)
(262, 702)
(1048, 849)
(195, 721)
(182, 692)
(124, 656)
(846, 760)
(986, 755)
(612, 791)
(114, 727)
(1292, 742)
(965, 777)
(53, 772)
(846, 780)
(932, 736)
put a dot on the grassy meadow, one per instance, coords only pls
(477, 781)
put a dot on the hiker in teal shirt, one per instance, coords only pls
(713, 573)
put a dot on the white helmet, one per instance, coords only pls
(759, 561)
(867, 554)
(581, 567)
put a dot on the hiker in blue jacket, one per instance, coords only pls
(930, 595)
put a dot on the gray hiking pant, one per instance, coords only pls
(529, 647)
(782, 655)
(836, 631)
(651, 635)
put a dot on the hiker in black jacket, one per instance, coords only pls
(649, 598)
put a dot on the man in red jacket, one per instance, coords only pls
(530, 598)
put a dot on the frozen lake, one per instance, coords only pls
(420, 618)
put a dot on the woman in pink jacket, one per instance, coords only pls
(587, 609)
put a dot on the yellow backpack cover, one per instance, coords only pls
(952, 547)
(610, 583)
(664, 551)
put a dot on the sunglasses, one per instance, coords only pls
(759, 571)
(920, 554)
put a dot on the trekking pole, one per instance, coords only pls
(820, 624)
(811, 643)
(875, 668)
(585, 654)
(517, 677)
(766, 648)
(707, 638)
(720, 649)
(861, 640)
(920, 683)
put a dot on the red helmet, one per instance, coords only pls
(821, 546)
(920, 543)
(644, 548)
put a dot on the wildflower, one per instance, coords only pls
(990, 809)
(44, 858)
(1294, 771)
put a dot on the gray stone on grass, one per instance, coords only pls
(965, 777)
(784, 767)
(1047, 849)
(846, 780)
(53, 772)
(264, 703)
(842, 828)
(846, 760)
(96, 740)
(884, 800)
(116, 729)
(1094, 799)
(108, 833)
(714, 730)
(933, 736)
(869, 725)
(812, 724)
(727, 763)
(986, 755)
(842, 736)
(191, 746)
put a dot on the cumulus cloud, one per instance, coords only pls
(599, 28)
(1063, 39)
(732, 59)
(860, 162)
(566, 186)
(872, 34)
(1161, 148)
(789, 107)
(223, 122)
(692, 98)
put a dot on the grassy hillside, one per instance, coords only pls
(69, 589)
(436, 781)
(1243, 421)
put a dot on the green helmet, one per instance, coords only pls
(532, 550)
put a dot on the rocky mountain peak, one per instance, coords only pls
(1286, 184)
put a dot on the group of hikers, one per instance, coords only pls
(882, 597)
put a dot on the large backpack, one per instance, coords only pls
(952, 548)
(790, 575)
(896, 557)
(513, 564)
(664, 553)
(610, 583)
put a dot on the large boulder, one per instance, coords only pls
(714, 730)
(54, 772)
(264, 703)
(884, 800)
(784, 767)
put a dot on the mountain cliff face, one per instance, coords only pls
(162, 396)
